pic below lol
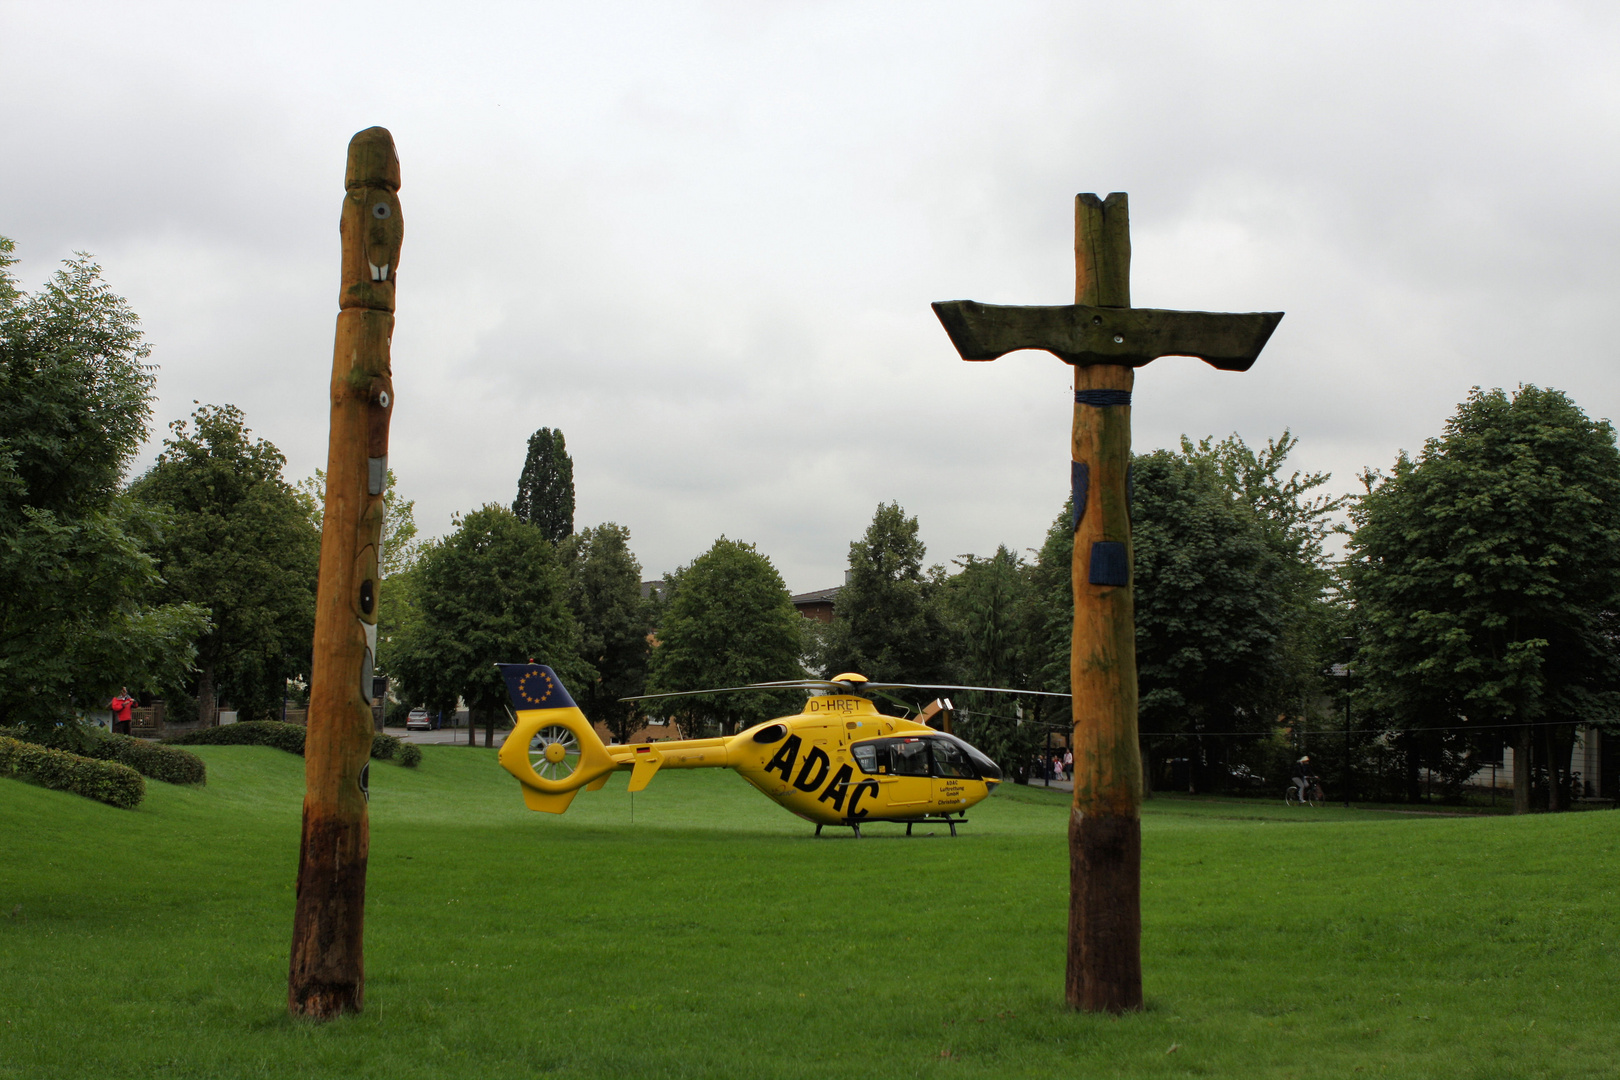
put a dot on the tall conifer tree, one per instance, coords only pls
(545, 495)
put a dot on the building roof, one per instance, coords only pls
(820, 596)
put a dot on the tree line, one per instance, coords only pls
(1461, 601)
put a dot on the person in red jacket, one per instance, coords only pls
(122, 706)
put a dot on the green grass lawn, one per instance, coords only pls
(714, 937)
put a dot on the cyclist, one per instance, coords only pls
(1303, 781)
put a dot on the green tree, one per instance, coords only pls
(1209, 609)
(545, 495)
(493, 591)
(1295, 518)
(728, 621)
(888, 624)
(400, 547)
(615, 624)
(990, 603)
(1233, 599)
(399, 553)
(239, 542)
(988, 599)
(79, 610)
(1486, 578)
(1049, 622)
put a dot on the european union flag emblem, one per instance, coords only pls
(535, 686)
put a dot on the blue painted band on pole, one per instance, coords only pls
(1102, 397)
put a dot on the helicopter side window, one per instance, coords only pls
(950, 760)
(866, 756)
(910, 757)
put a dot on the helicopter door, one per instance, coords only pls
(952, 770)
(911, 782)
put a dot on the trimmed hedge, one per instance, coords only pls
(104, 781)
(166, 763)
(290, 737)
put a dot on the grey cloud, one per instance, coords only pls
(702, 239)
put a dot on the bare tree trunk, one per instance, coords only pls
(1560, 746)
(489, 727)
(1566, 762)
(1551, 754)
(1521, 771)
(472, 728)
(207, 707)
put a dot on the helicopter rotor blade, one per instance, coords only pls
(894, 698)
(945, 686)
(842, 687)
(785, 684)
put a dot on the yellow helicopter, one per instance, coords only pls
(839, 762)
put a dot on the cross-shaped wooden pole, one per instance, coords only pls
(1106, 340)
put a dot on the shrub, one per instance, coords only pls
(105, 781)
(288, 737)
(384, 747)
(167, 763)
(410, 755)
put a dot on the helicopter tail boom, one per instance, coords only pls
(555, 752)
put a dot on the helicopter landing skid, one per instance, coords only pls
(907, 822)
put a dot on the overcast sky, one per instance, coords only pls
(702, 238)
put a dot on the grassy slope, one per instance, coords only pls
(714, 937)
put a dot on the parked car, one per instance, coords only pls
(419, 720)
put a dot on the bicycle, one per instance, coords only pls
(1309, 793)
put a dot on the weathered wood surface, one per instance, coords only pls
(1104, 966)
(1102, 250)
(326, 972)
(1083, 334)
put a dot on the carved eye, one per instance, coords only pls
(380, 211)
(382, 398)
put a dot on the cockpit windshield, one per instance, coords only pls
(924, 755)
(950, 759)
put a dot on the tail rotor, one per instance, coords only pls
(554, 753)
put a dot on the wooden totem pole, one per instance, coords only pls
(1106, 340)
(326, 976)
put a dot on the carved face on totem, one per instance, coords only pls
(371, 227)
